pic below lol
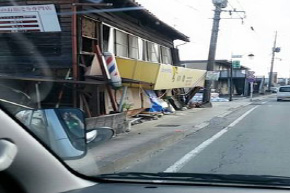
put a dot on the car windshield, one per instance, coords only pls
(142, 89)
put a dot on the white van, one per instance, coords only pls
(283, 93)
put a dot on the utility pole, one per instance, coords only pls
(272, 62)
(219, 5)
(212, 48)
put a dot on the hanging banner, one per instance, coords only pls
(30, 18)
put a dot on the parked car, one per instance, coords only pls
(283, 93)
(274, 89)
(63, 130)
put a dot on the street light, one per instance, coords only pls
(251, 56)
(219, 4)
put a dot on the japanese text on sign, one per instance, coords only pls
(34, 18)
(26, 8)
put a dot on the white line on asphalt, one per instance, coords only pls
(224, 114)
(201, 125)
(185, 159)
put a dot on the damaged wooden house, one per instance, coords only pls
(58, 54)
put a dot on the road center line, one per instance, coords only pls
(185, 159)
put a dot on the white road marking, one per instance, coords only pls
(224, 114)
(185, 159)
(202, 125)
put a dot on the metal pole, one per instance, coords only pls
(231, 82)
(252, 89)
(272, 64)
(125, 88)
(38, 95)
(245, 86)
(75, 67)
(212, 51)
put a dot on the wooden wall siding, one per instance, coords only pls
(20, 52)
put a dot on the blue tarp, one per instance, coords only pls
(156, 105)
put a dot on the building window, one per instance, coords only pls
(144, 51)
(166, 55)
(106, 37)
(89, 39)
(89, 34)
(121, 44)
(140, 49)
(133, 47)
(153, 52)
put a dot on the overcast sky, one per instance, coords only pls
(193, 18)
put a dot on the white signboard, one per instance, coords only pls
(237, 56)
(30, 18)
(212, 75)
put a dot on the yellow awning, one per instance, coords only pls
(161, 76)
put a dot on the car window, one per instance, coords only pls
(72, 122)
(187, 90)
(24, 116)
(284, 89)
(39, 126)
(35, 122)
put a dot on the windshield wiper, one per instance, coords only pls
(202, 178)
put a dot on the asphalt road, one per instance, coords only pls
(252, 140)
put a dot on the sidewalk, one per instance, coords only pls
(149, 137)
(238, 97)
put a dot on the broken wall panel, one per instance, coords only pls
(89, 28)
(136, 98)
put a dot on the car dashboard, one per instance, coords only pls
(151, 188)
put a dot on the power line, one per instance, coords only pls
(242, 8)
(198, 11)
(234, 10)
(247, 18)
(240, 4)
(189, 6)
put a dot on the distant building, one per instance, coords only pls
(282, 81)
(274, 77)
(240, 85)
